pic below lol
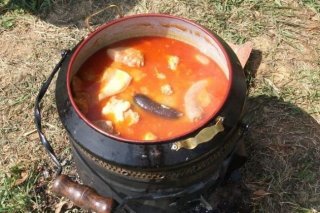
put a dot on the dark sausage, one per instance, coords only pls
(150, 105)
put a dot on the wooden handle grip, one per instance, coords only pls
(81, 195)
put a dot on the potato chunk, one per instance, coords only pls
(128, 56)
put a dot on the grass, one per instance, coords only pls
(33, 6)
(308, 97)
(17, 8)
(16, 196)
(283, 105)
(234, 20)
(312, 4)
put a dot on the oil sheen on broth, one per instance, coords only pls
(149, 88)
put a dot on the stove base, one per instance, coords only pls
(199, 198)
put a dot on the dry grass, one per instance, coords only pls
(283, 170)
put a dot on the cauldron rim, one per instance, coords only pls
(134, 141)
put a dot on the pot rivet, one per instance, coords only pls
(174, 147)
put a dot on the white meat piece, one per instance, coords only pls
(173, 62)
(126, 55)
(166, 89)
(113, 82)
(132, 117)
(117, 107)
(195, 99)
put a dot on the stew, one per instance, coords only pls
(149, 88)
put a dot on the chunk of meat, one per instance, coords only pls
(116, 108)
(113, 81)
(120, 111)
(132, 117)
(195, 99)
(173, 62)
(204, 98)
(166, 89)
(128, 56)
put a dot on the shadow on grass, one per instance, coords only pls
(70, 12)
(283, 166)
(284, 155)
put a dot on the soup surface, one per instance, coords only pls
(149, 88)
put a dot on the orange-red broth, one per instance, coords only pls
(156, 51)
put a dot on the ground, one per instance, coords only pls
(283, 109)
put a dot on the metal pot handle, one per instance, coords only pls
(81, 195)
(37, 112)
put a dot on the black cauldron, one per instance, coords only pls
(162, 176)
